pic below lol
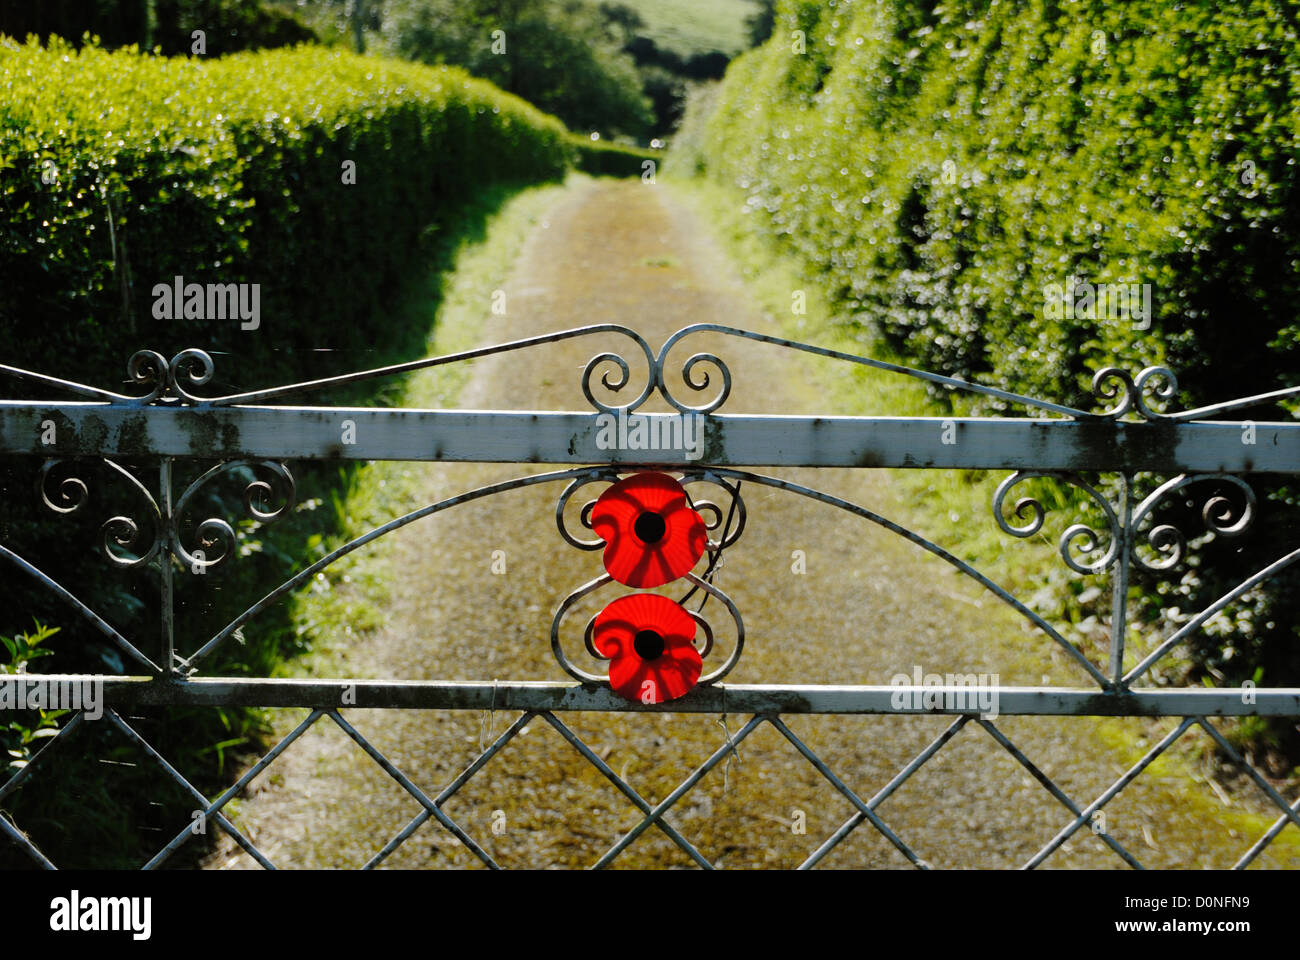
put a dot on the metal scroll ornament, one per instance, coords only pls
(651, 534)
(133, 541)
(1220, 514)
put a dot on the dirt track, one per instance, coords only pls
(869, 606)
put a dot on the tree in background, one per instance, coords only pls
(563, 57)
(593, 63)
(116, 22)
(165, 25)
(761, 22)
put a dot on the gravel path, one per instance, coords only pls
(869, 606)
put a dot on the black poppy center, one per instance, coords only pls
(650, 527)
(648, 644)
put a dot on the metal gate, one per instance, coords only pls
(696, 448)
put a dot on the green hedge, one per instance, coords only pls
(940, 164)
(936, 168)
(601, 158)
(231, 170)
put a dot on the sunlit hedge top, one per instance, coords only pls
(230, 170)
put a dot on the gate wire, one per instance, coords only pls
(715, 561)
(715, 556)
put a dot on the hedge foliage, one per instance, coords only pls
(120, 171)
(937, 167)
(940, 165)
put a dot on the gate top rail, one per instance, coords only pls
(170, 420)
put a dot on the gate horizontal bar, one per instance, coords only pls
(127, 692)
(672, 440)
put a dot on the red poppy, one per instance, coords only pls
(652, 534)
(649, 642)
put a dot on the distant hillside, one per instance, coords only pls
(696, 26)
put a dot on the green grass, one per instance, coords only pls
(695, 26)
(771, 277)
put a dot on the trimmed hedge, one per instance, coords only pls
(231, 171)
(939, 165)
(936, 168)
(601, 158)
